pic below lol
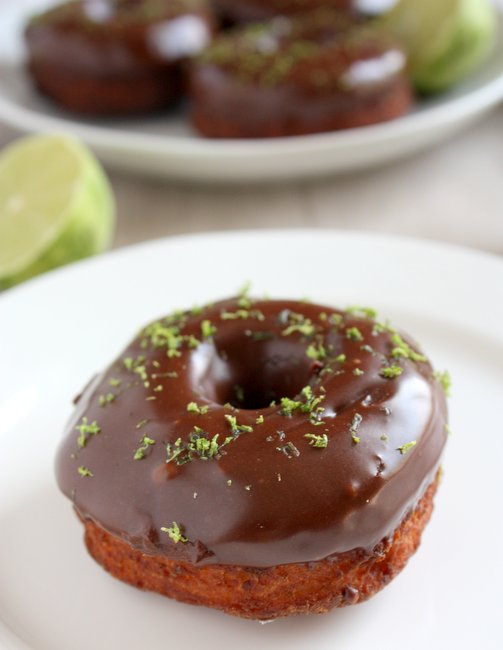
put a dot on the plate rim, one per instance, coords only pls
(114, 256)
(449, 109)
(471, 257)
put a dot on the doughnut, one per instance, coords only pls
(116, 57)
(261, 457)
(256, 10)
(321, 72)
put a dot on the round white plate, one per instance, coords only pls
(58, 330)
(165, 146)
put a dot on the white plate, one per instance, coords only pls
(165, 146)
(57, 330)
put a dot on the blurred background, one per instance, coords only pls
(451, 192)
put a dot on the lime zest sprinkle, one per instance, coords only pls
(335, 319)
(319, 442)
(235, 427)
(104, 400)
(289, 406)
(362, 312)
(380, 328)
(174, 450)
(242, 314)
(131, 364)
(296, 323)
(167, 334)
(85, 430)
(84, 472)
(200, 445)
(311, 405)
(354, 334)
(192, 407)
(403, 349)
(145, 444)
(316, 352)
(235, 315)
(175, 534)
(306, 329)
(407, 447)
(341, 358)
(391, 371)
(207, 329)
(444, 380)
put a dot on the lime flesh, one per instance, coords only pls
(56, 206)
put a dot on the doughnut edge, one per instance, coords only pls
(273, 592)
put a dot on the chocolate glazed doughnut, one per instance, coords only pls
(116, 57)
(320, 72)
(262, 457)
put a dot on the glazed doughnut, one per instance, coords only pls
(321, 72)
(255, 10)
(264, 457)
(116, 57)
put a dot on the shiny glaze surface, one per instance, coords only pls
(269, 496)
(120, 36)
(291, 76)
(316, 53)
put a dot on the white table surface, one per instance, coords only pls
(453, 193)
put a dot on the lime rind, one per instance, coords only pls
(470, 43)
(446, 40)
(80, 228)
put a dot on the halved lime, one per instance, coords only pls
(56, 206)
(446, 39)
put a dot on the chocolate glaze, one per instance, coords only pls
(280, 507)
(252, 10)
(119, 37)
(293, 76)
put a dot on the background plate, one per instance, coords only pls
(165, 146)
(59, 329)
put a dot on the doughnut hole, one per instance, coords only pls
(250, 373)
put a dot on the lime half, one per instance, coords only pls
(56, 206)
(446, 40)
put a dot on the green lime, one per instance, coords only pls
(56, 206)
(446, 40)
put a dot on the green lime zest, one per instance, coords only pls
(174, 532)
